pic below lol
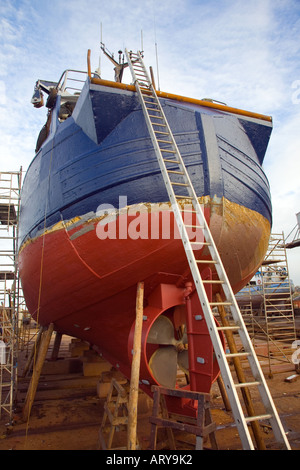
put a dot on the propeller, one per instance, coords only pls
(170, 354)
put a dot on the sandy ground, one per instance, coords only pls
(67, 415)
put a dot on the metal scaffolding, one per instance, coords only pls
(268, 311)
(10, 187)
(278, 303)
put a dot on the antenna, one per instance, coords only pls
(156, 53)
(98, 70)
(142, 42)
(157, 66)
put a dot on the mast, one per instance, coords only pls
(119, 66)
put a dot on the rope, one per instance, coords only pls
(41, 278)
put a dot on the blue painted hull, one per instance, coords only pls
(104, 150)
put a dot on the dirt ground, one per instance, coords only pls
(67, 414)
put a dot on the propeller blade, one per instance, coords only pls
(184, 338)
(162, 331)
(183, 361)
(163, 365)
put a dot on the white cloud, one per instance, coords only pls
(2, 93)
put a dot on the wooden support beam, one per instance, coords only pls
(135, 370)
(116, 411)
(224, 394)
(201, 427)
(45, 341)
(33, 352)
(56, 346)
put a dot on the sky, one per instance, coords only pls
(245, 54)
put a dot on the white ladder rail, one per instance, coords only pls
(147, 92)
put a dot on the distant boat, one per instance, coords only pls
(277, 283)
(96, 218)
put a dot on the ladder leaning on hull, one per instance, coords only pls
(176, 177)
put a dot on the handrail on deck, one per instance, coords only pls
(65, 78)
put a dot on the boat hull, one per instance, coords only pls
(104, 152)
(95, 220)
(95, 276)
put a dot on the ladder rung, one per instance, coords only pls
(272, 282)
(212, 281)
(164, 141)
(269, 291)
(215, 304)
(248, 419)
(6, 384)
(156, 117)
(277, 310)
(171, 161)
(177, 173)
(168, 151)
(140, 70)
(193, 226)
(161, 132)
(184, 197)
(141, 73)
(278, 335)
(158, 124)
(224, 328)
(205, 261)
(279, 330)
(241, 354)
(247, 384)
(179, 184)
(142, 80)
(152, 109)
(282, 317)
(200, 243)
(269, 294)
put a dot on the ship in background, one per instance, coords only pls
(95, 218)
(277, 283)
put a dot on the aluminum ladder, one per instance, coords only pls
(172, 166)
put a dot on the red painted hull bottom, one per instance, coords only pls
(87, 286)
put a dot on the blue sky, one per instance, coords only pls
(245, 54)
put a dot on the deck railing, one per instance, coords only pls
(69, 83)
